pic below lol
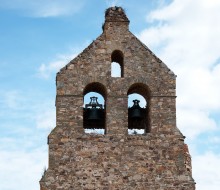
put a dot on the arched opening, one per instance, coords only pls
(117, 64)
(94, 108)
(138, 109)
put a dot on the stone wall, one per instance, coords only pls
(155, 160)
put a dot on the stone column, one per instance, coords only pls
(117, 115)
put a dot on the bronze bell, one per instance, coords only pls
(94, 114)
(136, 110)
(94, 110)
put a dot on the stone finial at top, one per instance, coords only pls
(115, 14)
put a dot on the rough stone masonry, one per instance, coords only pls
(156, 160)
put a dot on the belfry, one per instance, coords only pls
(156, 159)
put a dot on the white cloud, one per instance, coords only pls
(10, 99)
(206, 172)
(194, 121)
(22, 169)
(23, 137)
(43, 8)
(214, 140)
(30, 109)
(115, 69)
(46, 119)
(111, 3)
(46, 70)
(185, 36)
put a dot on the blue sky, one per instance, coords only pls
(37, 38)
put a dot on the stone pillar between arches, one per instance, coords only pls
(117, 115)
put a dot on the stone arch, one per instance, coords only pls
(143, 123)
(118, 58)
(141, 89)
(95, 87)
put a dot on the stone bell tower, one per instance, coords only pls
(158, 159)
